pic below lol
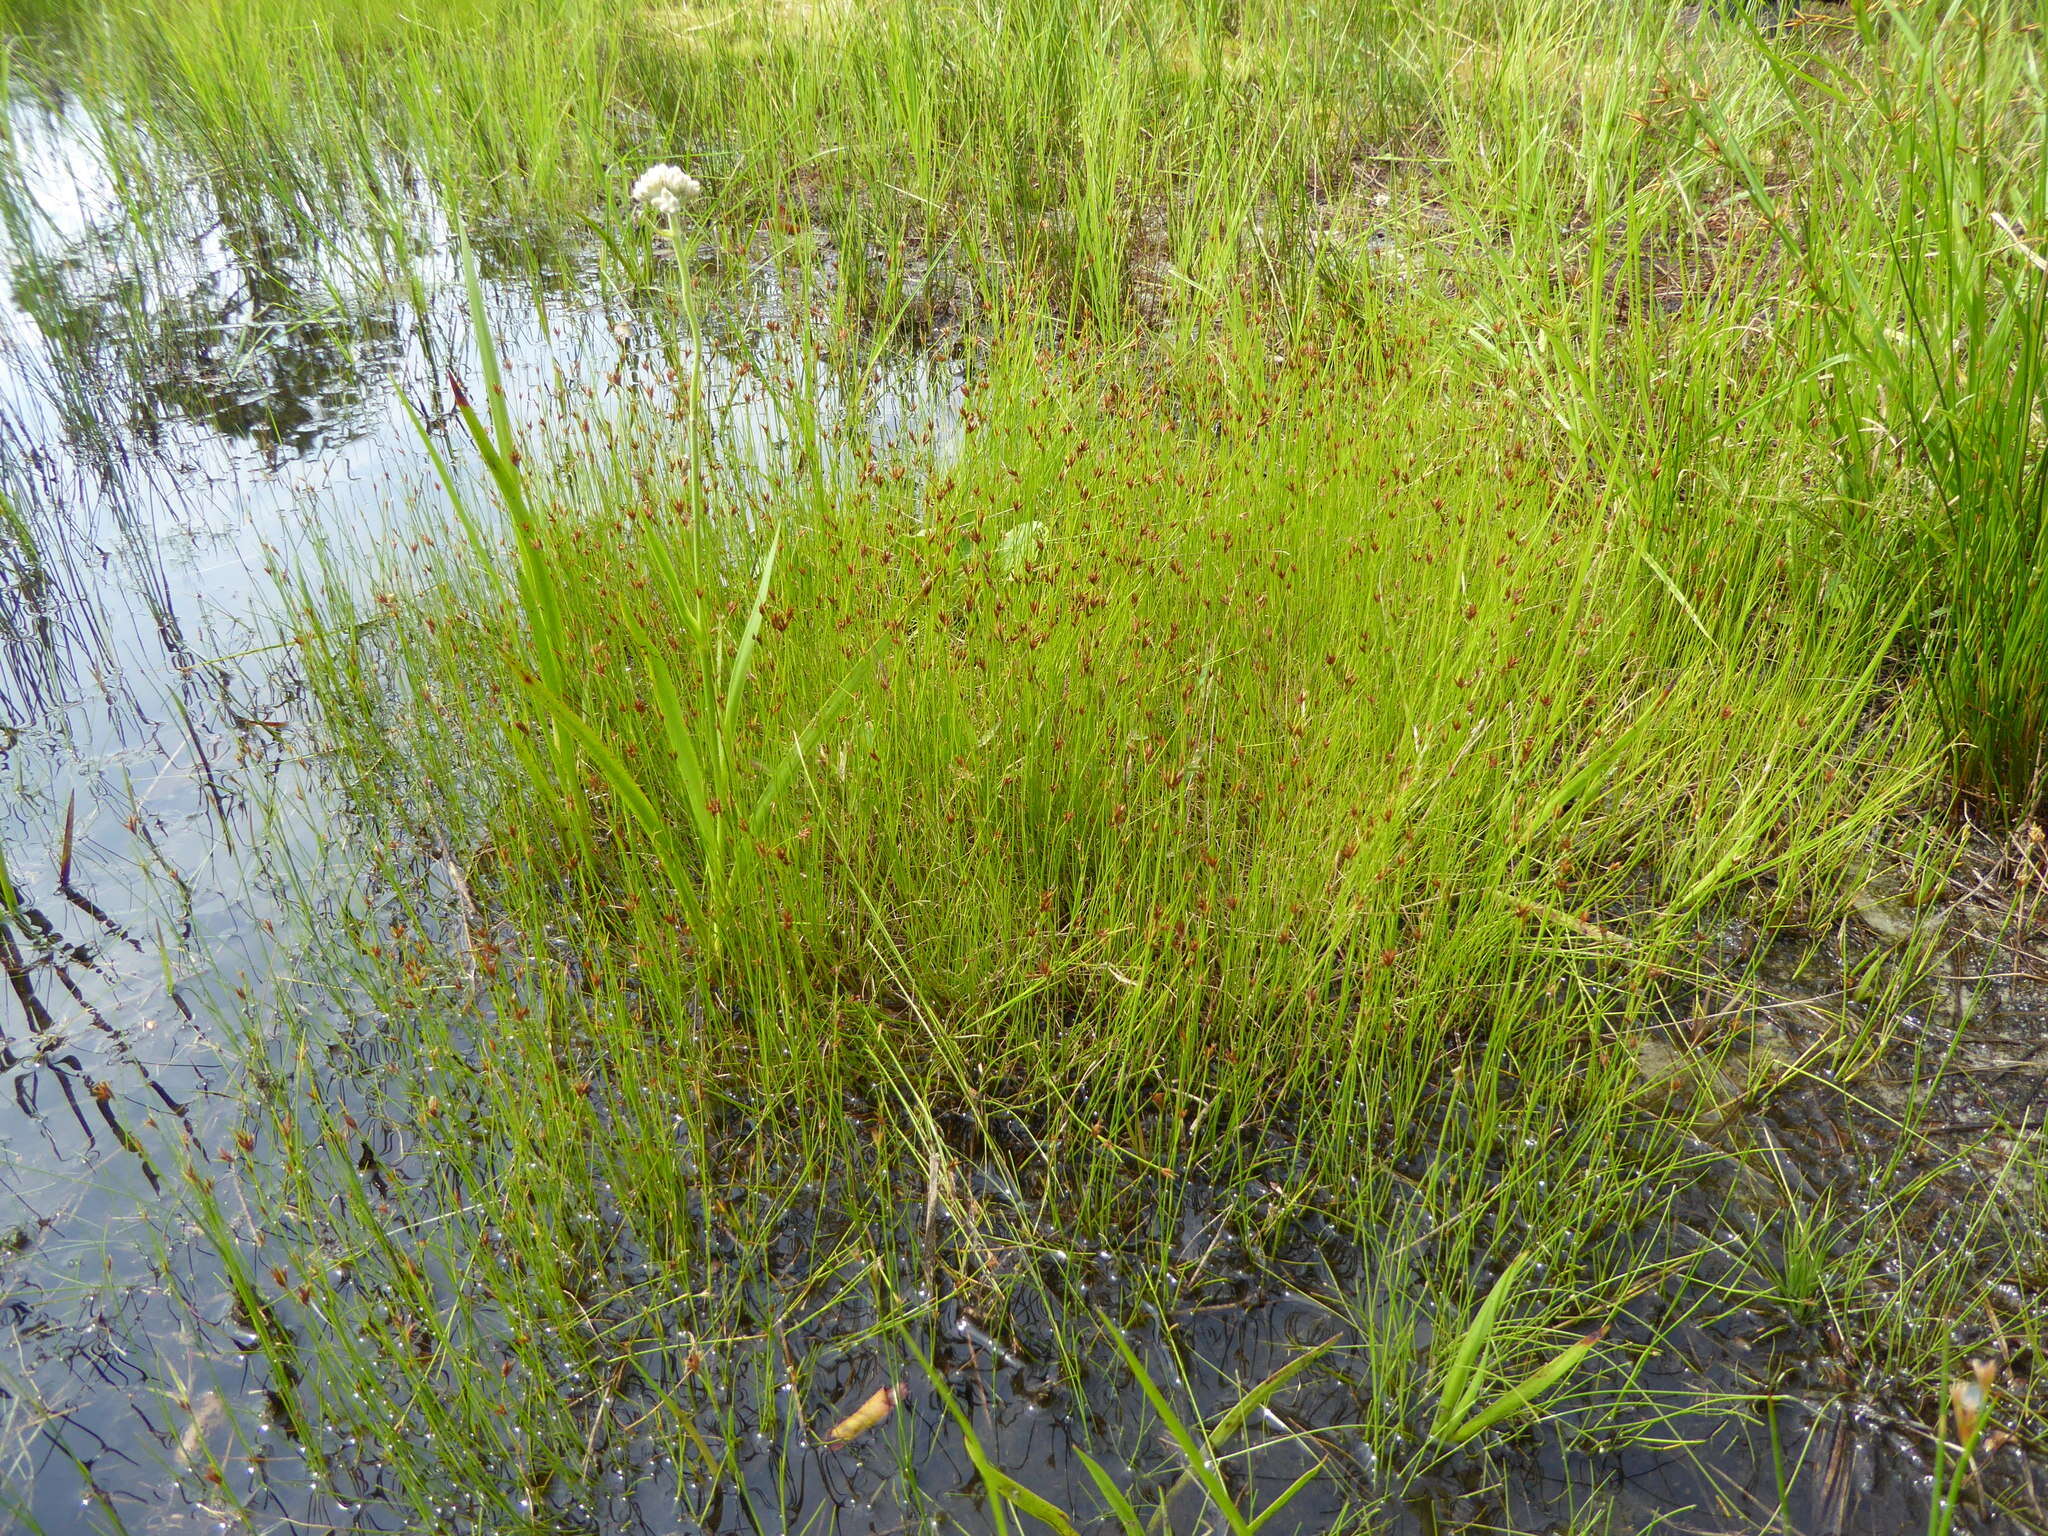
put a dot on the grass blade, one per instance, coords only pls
(1535, 1386)
(1462, 1382)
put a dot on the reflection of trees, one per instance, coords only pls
(226, 323)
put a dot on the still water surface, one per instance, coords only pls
(187, 389)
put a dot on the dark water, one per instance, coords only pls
(187, 389)
(142, 498)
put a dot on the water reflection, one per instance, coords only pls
(190, 382)
(194, 312)
(175, 397)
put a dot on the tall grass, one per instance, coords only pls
(1927, 260)
(1061, 777)
(1389, 604)
(502, 105)
(1323, 772)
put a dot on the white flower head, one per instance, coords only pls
(665, 188)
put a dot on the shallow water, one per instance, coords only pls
(188, 387)
(133, 752)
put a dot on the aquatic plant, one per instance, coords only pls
(1936, 298)
(1474, 1364)
(1269, 766)
(1147, 845)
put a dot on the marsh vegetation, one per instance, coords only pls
(1198, 766)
